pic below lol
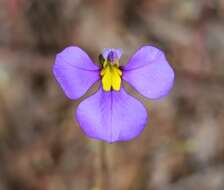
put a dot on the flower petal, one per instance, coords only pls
(75, 72)
(106, 52)
(149, 72)
(111, 116)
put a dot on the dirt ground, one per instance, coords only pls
(41, 144)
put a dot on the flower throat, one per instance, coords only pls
(110, 73)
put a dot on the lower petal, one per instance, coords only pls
(111, 116)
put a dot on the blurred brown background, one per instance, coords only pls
(42, 147)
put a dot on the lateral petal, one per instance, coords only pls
(149, 72)
(75, 72)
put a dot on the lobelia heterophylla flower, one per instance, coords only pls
(111, 114)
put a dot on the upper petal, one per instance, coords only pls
(149, 72)
(106, 52)
(111, 116)
(75, 72)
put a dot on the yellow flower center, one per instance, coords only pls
(111, 75)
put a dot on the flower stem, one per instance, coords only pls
(102, 171)
(104, 166)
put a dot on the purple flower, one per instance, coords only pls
(111, 114)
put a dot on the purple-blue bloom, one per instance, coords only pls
(111, 114)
